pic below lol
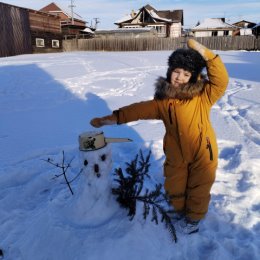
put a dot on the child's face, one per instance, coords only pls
(180, 76)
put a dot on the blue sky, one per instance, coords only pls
(109, 11)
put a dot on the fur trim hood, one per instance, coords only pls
(164, 90)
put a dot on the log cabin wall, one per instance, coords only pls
(26, 31)
(40, 21)
(15, 35)
(46, 33)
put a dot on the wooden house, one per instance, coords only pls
(245, 27)
(24, 31)
(167, 23)
(244, 24)
(71, 24)
(45, 31)
(214, 27)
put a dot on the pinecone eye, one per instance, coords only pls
(85, 163)
(103, 157)
(96, 170)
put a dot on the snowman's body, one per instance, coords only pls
(93, 202)
(94, 190)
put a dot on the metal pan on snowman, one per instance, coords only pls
(90, 141)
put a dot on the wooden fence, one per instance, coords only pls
(149, 44)
(15, 36)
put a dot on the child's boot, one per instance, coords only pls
(176, 216)
(188, 226)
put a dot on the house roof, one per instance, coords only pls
(50, 7)
(157, 16)
(244, 23)
(257, 25)
(126, 18)
(174, 15)
(54, 8)
(149, 7)
(214, 23)
(33, 11)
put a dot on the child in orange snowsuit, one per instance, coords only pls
(183, 101)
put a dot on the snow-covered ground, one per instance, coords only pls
(47, 100)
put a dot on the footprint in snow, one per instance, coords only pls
(207, 249)
(256, 207)
(244, 183)
(232, 155)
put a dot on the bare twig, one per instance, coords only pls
(64, 167)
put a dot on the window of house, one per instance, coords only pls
(159, 29)
(163, 29)
(55, 43)
(215, 33)
(132, 26)
(40, 42)
(226, 33)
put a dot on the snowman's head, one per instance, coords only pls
(97, 163)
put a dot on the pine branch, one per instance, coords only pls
(146, 210)
(155, 216)
(130, 191)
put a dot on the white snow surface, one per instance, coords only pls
(47, 100)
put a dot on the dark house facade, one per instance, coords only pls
(45, 32)
(25, 31)
(15, 35)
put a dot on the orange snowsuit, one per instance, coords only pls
(189, 142)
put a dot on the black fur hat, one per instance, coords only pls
(187, 59)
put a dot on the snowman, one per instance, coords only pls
(93, 202)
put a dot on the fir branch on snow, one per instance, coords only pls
(129, 191)
(64, 167)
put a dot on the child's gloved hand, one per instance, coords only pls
(206, 53)
(107, 120)
(96, 122)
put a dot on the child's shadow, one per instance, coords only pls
(126, 151)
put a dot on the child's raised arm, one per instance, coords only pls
(206, 53)
(216, 70)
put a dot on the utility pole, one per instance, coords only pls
(96, 22)
(72, 12)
